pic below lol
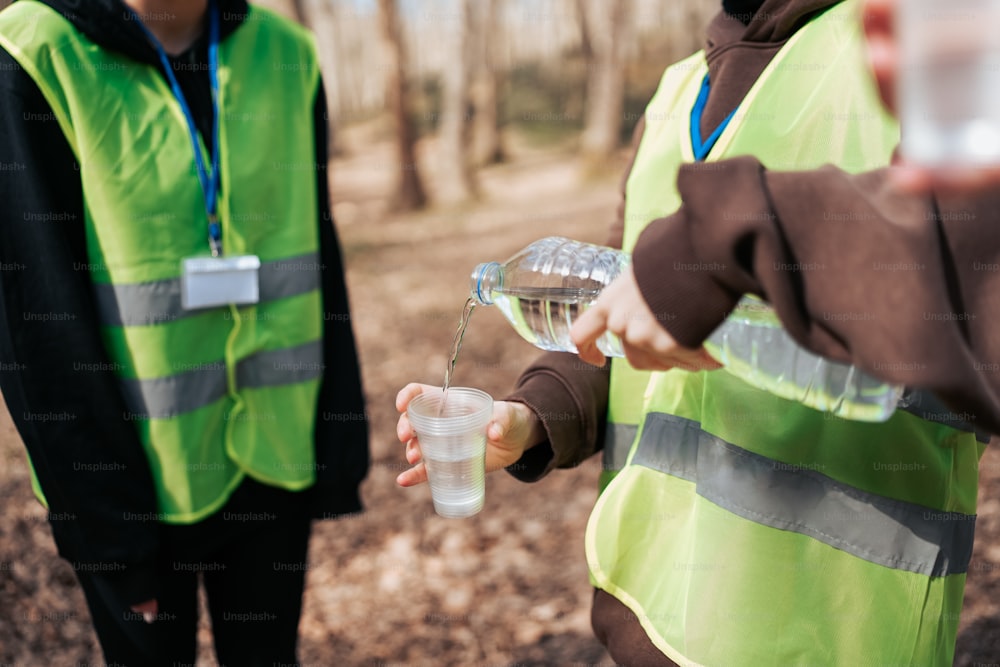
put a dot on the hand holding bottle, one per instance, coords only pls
(623, 311)
(514, 428)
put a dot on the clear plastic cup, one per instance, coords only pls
(949, 81)
(453, 446)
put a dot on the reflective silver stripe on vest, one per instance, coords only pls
(162, 398)
(271, 368)
(893, 533)
(145, 304)
(165, 397)
(617, 442)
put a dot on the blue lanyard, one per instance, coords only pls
(701, 148)
(210, 182)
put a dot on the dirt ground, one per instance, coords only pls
(398, 586)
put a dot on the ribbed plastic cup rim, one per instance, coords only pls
(423, 411)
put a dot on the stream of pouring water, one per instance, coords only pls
(456, 345)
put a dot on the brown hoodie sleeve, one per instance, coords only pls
(905, 287)
(570, 396)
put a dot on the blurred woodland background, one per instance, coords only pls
(462, 130)
(472, 71)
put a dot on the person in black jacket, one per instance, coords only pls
(140, 574)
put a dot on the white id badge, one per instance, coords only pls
(207, 282)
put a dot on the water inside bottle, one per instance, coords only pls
(544, 316)
(754, 346)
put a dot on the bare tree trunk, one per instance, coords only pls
(607, 27)
(456, 182)
(487, 146)
(585, 44)
(408, 192)
(357, 45)
(318, 15)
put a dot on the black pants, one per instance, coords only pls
(251, 557)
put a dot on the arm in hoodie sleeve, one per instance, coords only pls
(569, 396)
(907, 287)
(56, 376)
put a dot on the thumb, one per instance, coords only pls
(497, 429)
(505, 423)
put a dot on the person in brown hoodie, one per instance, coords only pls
(774, 535)
(936, 318)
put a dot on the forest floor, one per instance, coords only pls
(397, 585)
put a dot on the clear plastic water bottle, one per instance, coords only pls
(752, 345)
(543, 289)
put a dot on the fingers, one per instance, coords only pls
(514, 427)
(404, 432)
(415, 475)
(649, 346)
(409, 392)
(591, 354)
(882, 51)
(878, 18)
(704, 361)
(962, 179)
(884, 63)
(412, 452)
(586, 330)
(945, 181)
(650, 357)
(644, 361)
(418, 473)
(403, 429)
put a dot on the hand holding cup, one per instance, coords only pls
(512, 429)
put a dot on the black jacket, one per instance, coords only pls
(55, 373)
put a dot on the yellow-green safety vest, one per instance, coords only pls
(746, 529)
(220, 393)
(852, 132)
